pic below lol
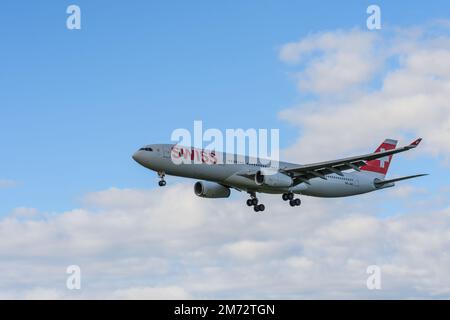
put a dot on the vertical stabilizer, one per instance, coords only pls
(380, 166)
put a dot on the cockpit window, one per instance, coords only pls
(146, 149)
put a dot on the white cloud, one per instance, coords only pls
(7, 183)
(251, 250)
(333, 61)
(168, 243)
(412, 99)
(405, 191)
(220, 249)
(24, 212)
(149, 293)
(42, 294)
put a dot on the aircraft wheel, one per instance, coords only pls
(162, 183)
(285, 197)
(298, 202)
(249, 202)
(261, 207)
(256, 208)
(292, 203)
(255, 201)
(290, 196)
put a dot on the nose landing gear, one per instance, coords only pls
(253, 201)
(161, 176)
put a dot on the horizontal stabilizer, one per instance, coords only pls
(380, 183)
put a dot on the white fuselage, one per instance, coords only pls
(229, 173)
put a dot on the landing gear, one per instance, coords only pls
(295, 202)
(259, 207)
(253, 201)
(161, 176)
(290, 196)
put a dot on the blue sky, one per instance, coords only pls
(74, 105)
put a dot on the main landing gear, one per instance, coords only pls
(253, 201)
(161, 176)
(290, 196)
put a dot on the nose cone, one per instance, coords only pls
(138, 157)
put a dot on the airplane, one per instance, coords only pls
(336, 178)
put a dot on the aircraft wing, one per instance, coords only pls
(319, 169)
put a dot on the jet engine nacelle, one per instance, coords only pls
(272, 178)
(207, 189)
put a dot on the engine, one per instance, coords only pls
(272, 179)
(207, 189)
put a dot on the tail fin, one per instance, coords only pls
(380, 166)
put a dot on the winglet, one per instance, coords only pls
(415, 143)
